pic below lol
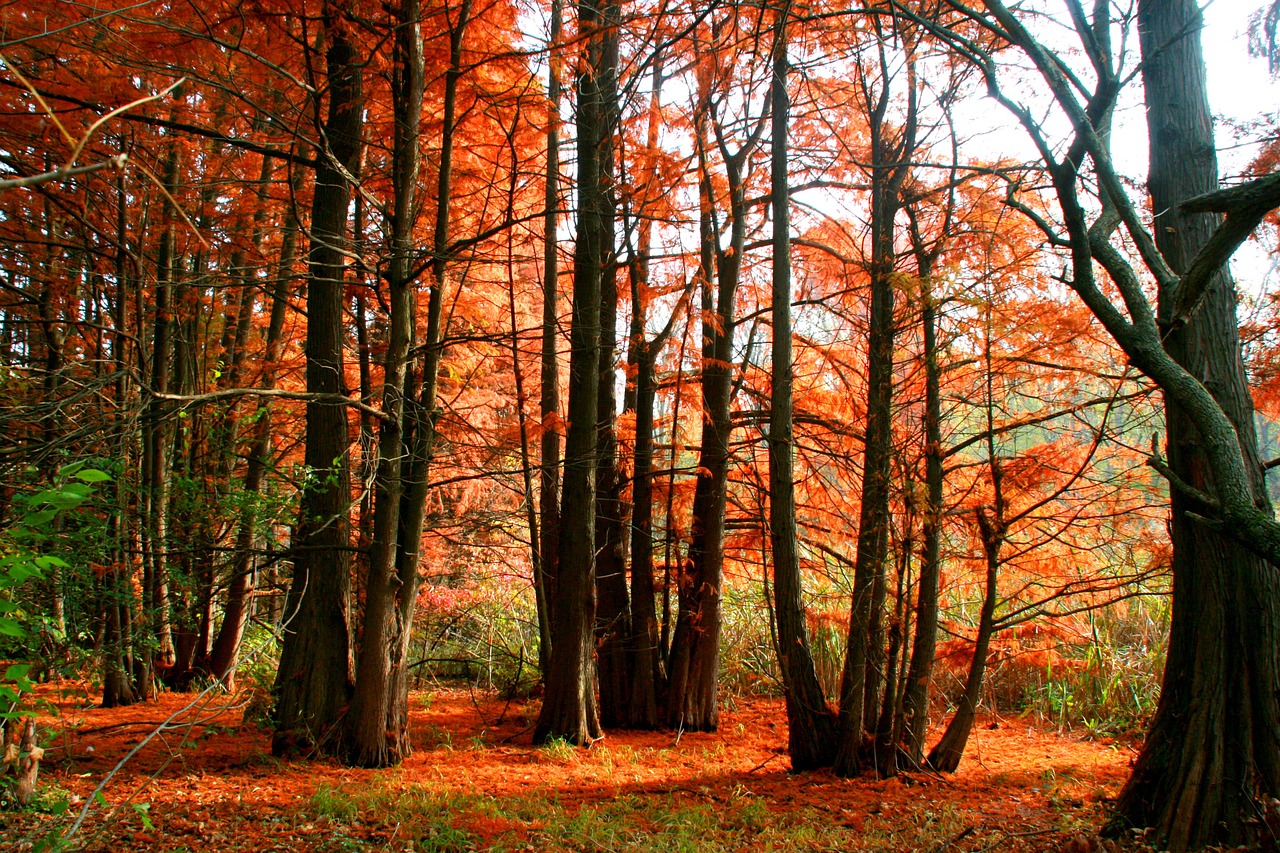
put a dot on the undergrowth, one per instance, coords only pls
(1097, 672)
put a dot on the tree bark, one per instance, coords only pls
(314, 680)
(1214, 746)
(549, 402)
(569, 709)
(810, 723)
(945, 755)
(925, 642)
(864, 675)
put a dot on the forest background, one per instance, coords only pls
(634, 355)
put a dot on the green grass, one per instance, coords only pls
(671, 823)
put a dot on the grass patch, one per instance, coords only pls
(423, 820)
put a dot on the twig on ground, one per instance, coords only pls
(763, 763)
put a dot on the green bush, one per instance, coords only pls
(28, 633)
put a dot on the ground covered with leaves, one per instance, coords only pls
(199, 777)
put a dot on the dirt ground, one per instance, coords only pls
(204, 780)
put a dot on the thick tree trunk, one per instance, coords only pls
(314, 680)
(1213, 751)
(569, 708)
(864, 676)
(810, 723)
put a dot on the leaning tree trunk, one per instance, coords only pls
(945, 755)
(1213, 751)
(314, 679)
(810, 723)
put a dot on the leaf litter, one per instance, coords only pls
(207, 781)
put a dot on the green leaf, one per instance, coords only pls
(24, 571)
(17, 671)
(41, 518)
(93, 475)
(11, 627)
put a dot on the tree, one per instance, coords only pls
(695, 648)
(1214, 745)
(1200, 772)
(645, 647)
(811, 725)
(549, 399)
(891, 157)
(314, 682)
(569, 710)
(376, 734)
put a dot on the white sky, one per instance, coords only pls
(1240, 90)
(1240, 87)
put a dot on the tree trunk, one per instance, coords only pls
(613, 607)
(28, 763)
(695, 649)
(924, 646)
(945, 755)
(810, 723)
(117, 685)
(378, 730)
(864, 676)
(647, 674)
(549, 402)
(646, 666)
(1214, 747)
(314, 680)
(235, 614)
(569, 708)
(156, 450)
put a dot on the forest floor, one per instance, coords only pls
(207, 781)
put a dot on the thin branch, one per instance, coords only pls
(62, 173)
(229, 393)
